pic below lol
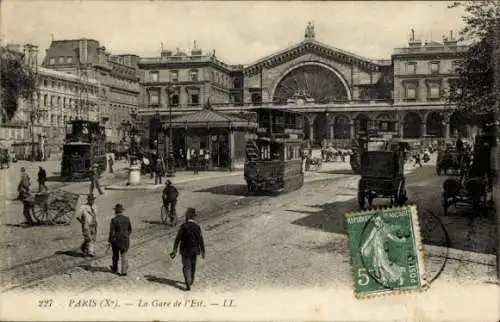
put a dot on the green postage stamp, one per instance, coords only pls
(386, 251)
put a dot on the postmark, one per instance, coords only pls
(386, 251)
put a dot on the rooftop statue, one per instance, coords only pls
(309, 34)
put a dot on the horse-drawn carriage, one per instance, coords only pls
(448, 159)
(56, 207)
(382, 175)
(475, 181)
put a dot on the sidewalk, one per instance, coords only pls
(10, 178)
(180, 177)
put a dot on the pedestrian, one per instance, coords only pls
(24, 183)
(42, 178)
(94, 180)
(417, 160)
(88, 219)
(188, 158)
(195, 162)
(159, 170)
(120, 230)
(191, 243)
(27, 198)
(110, 162)
(169, 196)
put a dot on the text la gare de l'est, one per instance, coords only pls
(107, 303)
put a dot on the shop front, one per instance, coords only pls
(210, 139)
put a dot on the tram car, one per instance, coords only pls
(274, 162)
(85, 144)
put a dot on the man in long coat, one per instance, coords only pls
(88, 219)
(120, 230)
(191, 243)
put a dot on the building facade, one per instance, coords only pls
(338, 91)
(118, 76)
(60, 97)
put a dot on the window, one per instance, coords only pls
(154, 97)
(411, 68)
(455, 65)
(59, 101)
(434, 91)
(45, 99)
(52, 61)
(195, 99)
(60, 60)
(51, 100)
(434, 67)
(237, 83)
(45, 83)
(174, 76)
(411, 92)
(175, 100)
(194, 75)
(69, 60)
(65, 102)
(154, 76)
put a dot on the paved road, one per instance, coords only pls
(293, 240)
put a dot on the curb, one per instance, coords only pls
(460, 255)
(153, 186)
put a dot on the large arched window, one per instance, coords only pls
(310, 84)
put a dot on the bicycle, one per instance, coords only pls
(168, 218)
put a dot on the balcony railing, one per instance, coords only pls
(426, 50)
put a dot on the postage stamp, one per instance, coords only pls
(386, 251)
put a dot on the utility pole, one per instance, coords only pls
(31, 56)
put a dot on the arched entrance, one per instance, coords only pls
(412, 125)
(435, 126)
(320, 128)
(341, 127)
(362, 122)
(311, 83)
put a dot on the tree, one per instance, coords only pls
(474, 91)
(18, 81)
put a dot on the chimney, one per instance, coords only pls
(451, 41)
(82, 48)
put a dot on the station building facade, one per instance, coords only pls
(60, 97)
(339, 92)
(118, 76)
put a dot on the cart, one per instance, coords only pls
(382, 176)
(471, 193)
(55, 207)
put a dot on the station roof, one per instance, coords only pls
(208, 117)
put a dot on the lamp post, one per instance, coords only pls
(170, 157)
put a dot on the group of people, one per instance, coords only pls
(189, 240)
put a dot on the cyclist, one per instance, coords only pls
(169, 196)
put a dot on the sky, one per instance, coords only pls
(240, 32)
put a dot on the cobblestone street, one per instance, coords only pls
(296, 240)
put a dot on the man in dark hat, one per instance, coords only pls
(119, 238)
(191, 243)
(88, 219)
(169, 197)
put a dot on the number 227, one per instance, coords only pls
(363, 277)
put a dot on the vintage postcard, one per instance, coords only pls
(249, 160)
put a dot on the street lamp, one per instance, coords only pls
(170, 157)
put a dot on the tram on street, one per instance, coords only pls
(85, 145)
(274, 162)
